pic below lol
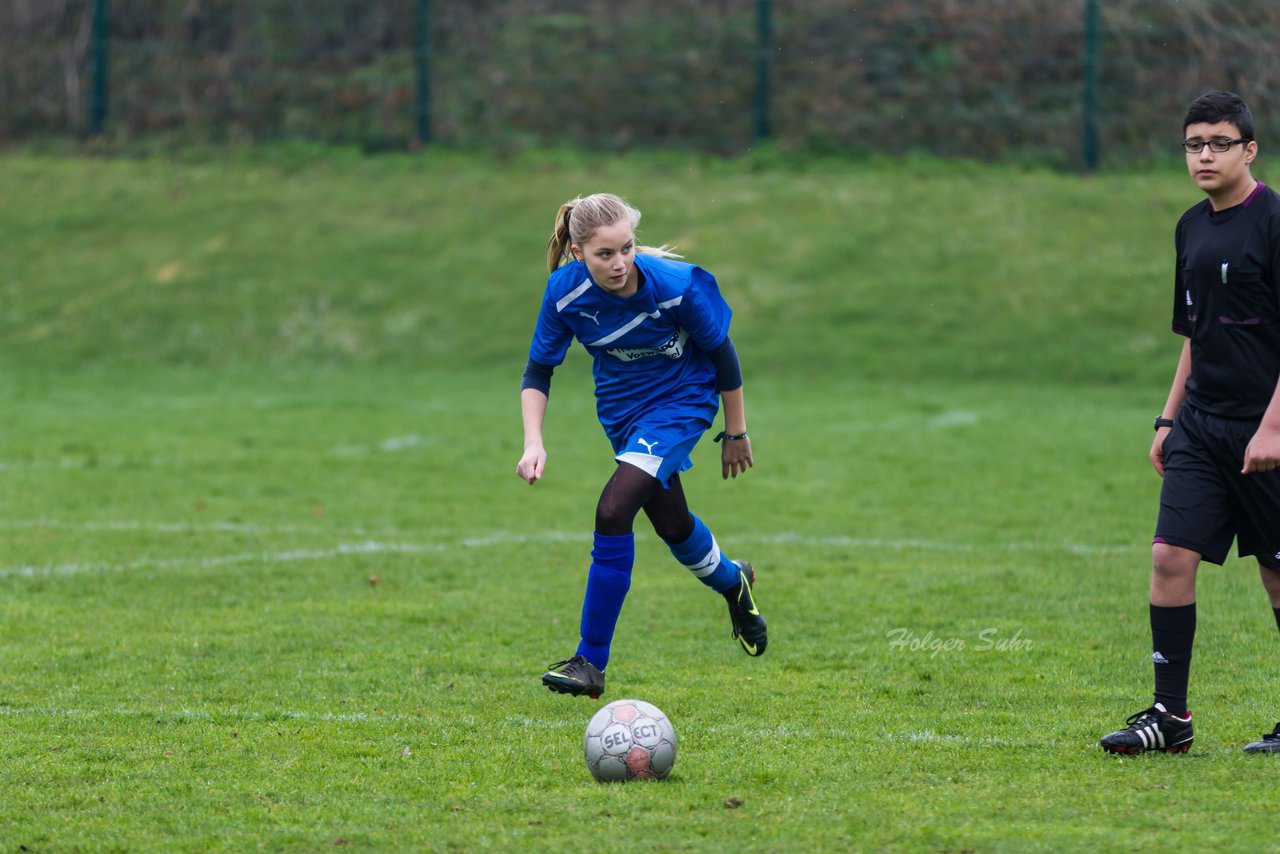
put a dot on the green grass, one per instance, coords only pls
(888, 271)
(199, 480)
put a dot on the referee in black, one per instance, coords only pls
(1217, 442)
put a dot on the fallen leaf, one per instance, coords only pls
(168, 272)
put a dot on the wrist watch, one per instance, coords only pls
(1161, 421)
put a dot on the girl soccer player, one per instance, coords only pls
(657, 330)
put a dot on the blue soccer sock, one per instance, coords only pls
(608, 581)
(701, 555)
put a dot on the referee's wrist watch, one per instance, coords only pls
(1161, 421)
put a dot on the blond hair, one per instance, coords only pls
(579, 218)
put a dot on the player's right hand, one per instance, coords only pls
(1157, 450)
(531, 464)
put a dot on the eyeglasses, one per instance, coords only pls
(1219, 144)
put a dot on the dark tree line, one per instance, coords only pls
(977, 78)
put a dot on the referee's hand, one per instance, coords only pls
(1263, 452)
(1157, 450)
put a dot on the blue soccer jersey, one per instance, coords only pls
(648, 350)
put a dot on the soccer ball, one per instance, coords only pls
(629, 740)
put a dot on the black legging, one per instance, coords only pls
(631, 489)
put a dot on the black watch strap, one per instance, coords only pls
(1161, 421)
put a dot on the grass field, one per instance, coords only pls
(238, 392)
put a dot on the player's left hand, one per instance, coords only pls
(735, 458)
(1263, 452)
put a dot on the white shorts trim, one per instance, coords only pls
(647, 463)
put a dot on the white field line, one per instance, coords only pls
(390, 445)
(498, 538)
(203, 715)
(510, 722)
(513, 538)
(937, 545)
(126, 526)
(365, 548)
(81, 463)
(170, 527)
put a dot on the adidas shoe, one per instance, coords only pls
(1270, 743)
(575, 676)
(1151, 729)
(748, 626)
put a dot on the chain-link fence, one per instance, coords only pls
(1068, 84)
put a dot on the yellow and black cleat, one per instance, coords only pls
(575, 676)
(748, 626)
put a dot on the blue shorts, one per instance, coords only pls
(659, 446)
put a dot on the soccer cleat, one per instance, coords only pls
(1270, 743)
(748, 626)
(1151, 729)
(575, 676)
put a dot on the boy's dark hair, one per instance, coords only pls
(1218, 106)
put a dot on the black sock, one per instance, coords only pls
(1276, 611)
(1173, 631)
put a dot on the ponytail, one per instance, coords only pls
(558, 245)
(578, 219)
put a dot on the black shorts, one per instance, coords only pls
(1205, 502)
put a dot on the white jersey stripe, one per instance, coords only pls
(634, 322)
(624, 329)
(573, 295)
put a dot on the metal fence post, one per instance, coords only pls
(1089, 126)
(422, 70)
(764, 52)
(98, 62)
